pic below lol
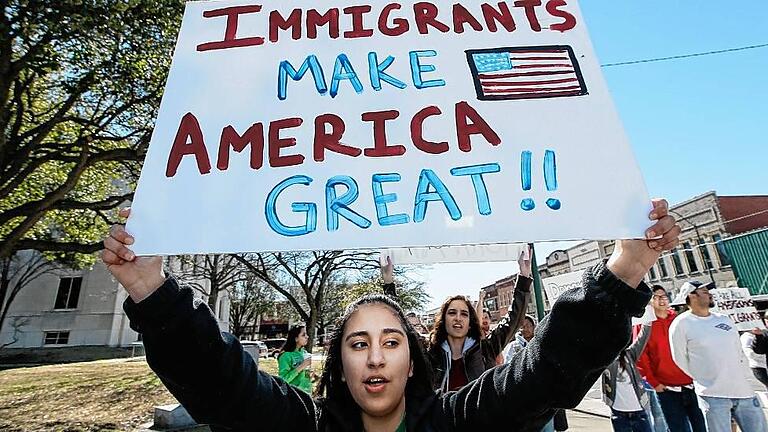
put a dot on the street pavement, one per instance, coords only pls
(593, 415)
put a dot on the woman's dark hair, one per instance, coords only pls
(290, 340)
(440, 334)
(332, 388)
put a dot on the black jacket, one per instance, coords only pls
(482, 356)
(760, 344)
(219, 384)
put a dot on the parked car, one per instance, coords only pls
(274, 346)
(263, 350)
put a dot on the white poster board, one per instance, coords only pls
(321, 125)
(455, 254)
(737, 304)
(556, 285)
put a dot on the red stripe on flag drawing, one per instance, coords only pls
(530, 90)
(526, 83)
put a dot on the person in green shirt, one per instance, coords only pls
(294, 362)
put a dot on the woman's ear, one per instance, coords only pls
(410, 370)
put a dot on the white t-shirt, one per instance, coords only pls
(709, 350)
(626, 398)
(755, 360)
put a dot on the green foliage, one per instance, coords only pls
(80, 85)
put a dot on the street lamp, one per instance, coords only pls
(698, 241)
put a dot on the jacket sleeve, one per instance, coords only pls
(505, 330)
(285, 369)
(636, 348)
(208, 371)
(760, 344)
(585, 331)
(644, 366)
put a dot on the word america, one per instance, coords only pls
(391, 21)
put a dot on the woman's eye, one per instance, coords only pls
(392, 343)
(359, 345)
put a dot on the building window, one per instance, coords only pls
(689, 258)
(652, 273)
(678, 264)
(705, 254)
(56, 338)
(663, 268)
(69, 293)
(721, 253)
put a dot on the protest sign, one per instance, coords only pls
(556, 285)
(455, 254)
(737, 304)
(332, 125)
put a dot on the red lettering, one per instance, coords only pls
(417, 129)
(314, 19)
(277, 22)
(530, 12)
(358, 28)
(462, 16)
(426, 14)
(189, 140)
(464, 129)
(230, 138)
(502, 15)
(230, 34)
(331, 140)
(380, 147)
(276, 143)
(569, 21)
(401, 25)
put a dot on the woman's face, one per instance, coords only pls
(376, 359)
(302, 339)
(457, 319)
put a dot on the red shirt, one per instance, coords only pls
(655, 363)
(458, 376)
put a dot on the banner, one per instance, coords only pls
(737, 304)
(310, 125)
(454, 254)
(556, 285)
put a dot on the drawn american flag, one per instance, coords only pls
(526, 72)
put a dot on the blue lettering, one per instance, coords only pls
(381, 199)
(343, 70)
(423, 196)
(376, 71)
(417, 69)
(309, 209)
(476, 173)
(336, 206)
(286, 69)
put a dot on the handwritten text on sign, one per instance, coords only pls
(737, 304)
(313, 125)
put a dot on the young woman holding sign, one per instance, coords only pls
(459, 353)
(376, 377)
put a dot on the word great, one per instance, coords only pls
(189, 139)
(430, 188)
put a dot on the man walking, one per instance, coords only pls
(706, 346)
(672, 386)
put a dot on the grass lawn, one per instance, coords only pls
(104, 395)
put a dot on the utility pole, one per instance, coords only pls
(537, 286)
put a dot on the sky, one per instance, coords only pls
(695, 124)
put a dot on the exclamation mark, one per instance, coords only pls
(550, 178)
(526, 204)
